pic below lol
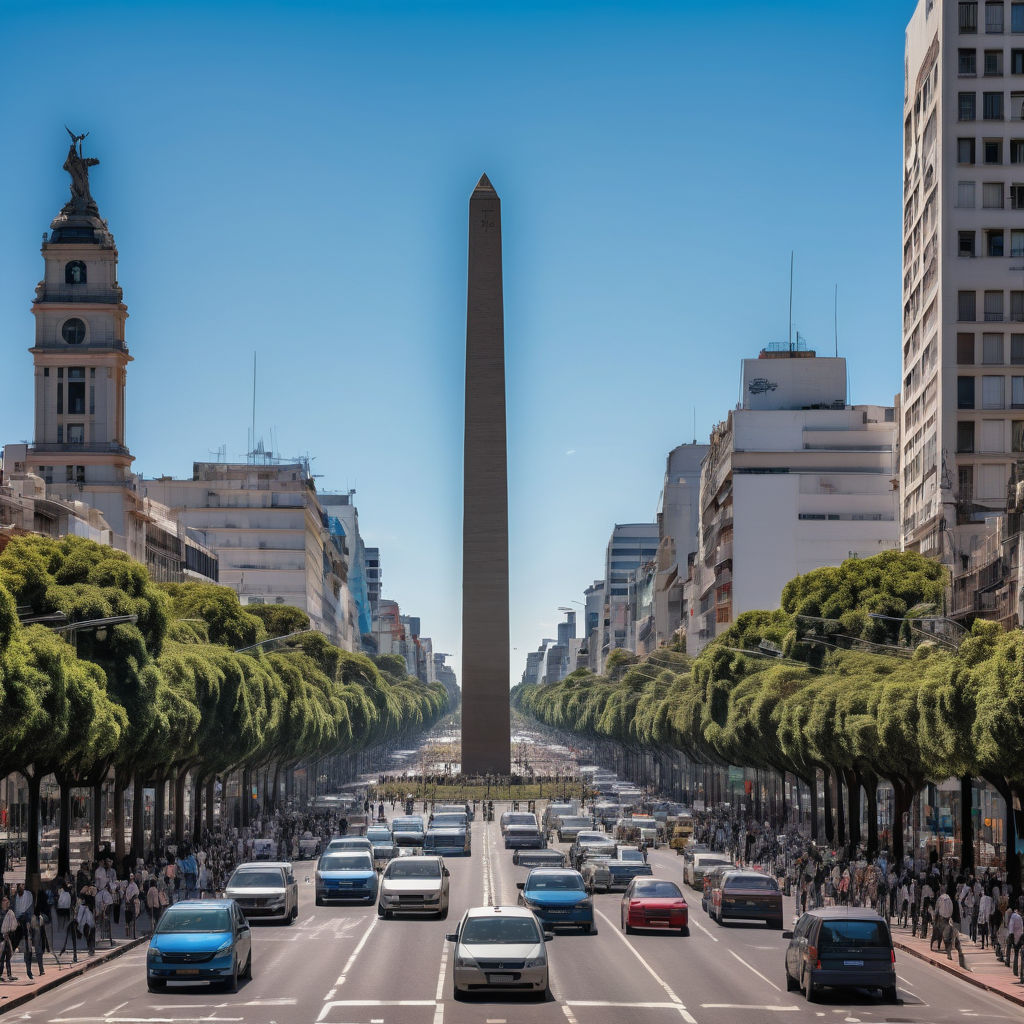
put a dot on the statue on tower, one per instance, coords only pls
(78, 166)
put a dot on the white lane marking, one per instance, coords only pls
(355, 952)
(439, 994)
(110, 1013)
(142, 1020)
(756, 971)
(744, 1006)
(608, 1002)
(697, 924)
(375, 1002)
(568, 1013)
(650, 970)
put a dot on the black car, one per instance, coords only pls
(841, 947)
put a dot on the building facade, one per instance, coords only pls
(630, 546)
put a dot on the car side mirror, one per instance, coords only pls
(787, 935)
(520, 885)
(244, 926)
(548, 936)
(446, 872)
(452, 937)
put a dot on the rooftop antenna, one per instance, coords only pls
(254, 399)
(835, 317)
(790, 300)
(695, 424)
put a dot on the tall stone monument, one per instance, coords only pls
(486, 744)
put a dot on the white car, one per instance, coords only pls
(350, 844)
(414, 885)
(500, 948)
(265, 890)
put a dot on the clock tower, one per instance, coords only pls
(81, 359)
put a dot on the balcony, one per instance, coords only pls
(73, 447)
(106, 296)
(723, 554)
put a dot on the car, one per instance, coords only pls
(200, 940)
(711, 879)
(693, 870)
(518, 837)
(590, 844)
(447, 842)
(449, 819)
(383, 843)
(558, 897)
(408, 830)
(350, 843)
(544, 858)
(309, 846)
(627, 864)
(751, 895)
(840, 947)
(509, 818)
(414, 885)
(465, 809)
(553, 814)
(499, 949)
(266, 890)
(571, 825)
(347, 875)
(689, 850)
(596, 873)
(656, 903)
(263, 849)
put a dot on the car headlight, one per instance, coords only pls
(319, 877)
(465, 961)
(155, 954)
(225, 948)
(538, 962)
(585, 904)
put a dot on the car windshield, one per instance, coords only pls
(199, 919)
(414, 869)
(449, 820)
(352, 842)
(752, 882)
(345, 862)
(657, 890)
(407, 825)
(635, 856)
(847, 933)
(520, 819)
(710, 862)
(491, 931)
(574, 822)
(554, 883)
(378, 835)
(263, 878)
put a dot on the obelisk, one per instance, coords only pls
(486, 745)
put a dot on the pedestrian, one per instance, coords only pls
(24, 903)
(86, 921)
(131, 899)
(1015, 936)
(35, 936)
(63, 905)
(153, 904)
(8, 932)
(984, 912)
(71, 931)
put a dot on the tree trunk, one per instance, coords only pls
(209, 801)
(1013, 872)
(138, 817)
(900, 806)
(782, 800)
(97, 817)
(64, 834)
(179, 805)
(120, 785)
(870, 783)
(852, 807)
(159, 811)
(813, 783)
(830, 823)
(197, 810)
(966, 824)
(32, 831)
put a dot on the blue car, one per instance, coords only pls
(200, 940)
(558, 897)
(345, 875)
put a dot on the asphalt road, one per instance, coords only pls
(342, 965)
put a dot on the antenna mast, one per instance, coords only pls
(835, 317)
(791, 300)
(253, 401)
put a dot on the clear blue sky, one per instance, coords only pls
(294, 179)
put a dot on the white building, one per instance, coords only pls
(962, 397)
(630, 546)
(795, 479)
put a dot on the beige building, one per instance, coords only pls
(962, 396)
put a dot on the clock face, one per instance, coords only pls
(73, 331)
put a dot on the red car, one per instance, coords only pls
(654, 903)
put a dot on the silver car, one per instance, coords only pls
(597, 874)
(414, 885)
(500, 948)
(265, 890)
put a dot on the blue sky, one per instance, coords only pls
(293, 180)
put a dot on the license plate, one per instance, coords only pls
(188, 970)
(853, 963)
(555, 912)
(345, 885)
(501, 979)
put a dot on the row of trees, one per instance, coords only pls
(832, 682)
(173, 696)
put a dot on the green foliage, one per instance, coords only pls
(279, 619)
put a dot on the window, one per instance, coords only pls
(992, 106)
(965, 437)
(965, 151)
(993, 151)
(69, 474)
(74, 272)
(1017, 392)
(968, 62)
(994, 247)
(994, 17)
(76, 373)
(965, 392)
(1017, 197)
(993, 62)
(92, 399)
(60, 433)
(993, 392)
(1017, 151)
(965, 195)
(76, 433)
(48, 474)
(966, 239)
(992, 195)
(994, 307)
(1017, 436)
(968, 16)
(1017, 349)
(76, 399)
(1017, 62)
(73, 331)
(1017, 105)
(968, 109)
(1017, 298)
(992, 349)
(965, 349)
(966, 309)
(60, 397)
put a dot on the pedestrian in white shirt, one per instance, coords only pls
(1014, 938)
(8, 926)
(87, 923)
(984, 913)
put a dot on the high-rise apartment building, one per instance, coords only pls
(962, 395)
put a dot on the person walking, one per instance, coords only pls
(86, 921)
(153, 904)
(1014, 938)
(71, 930)
(984, 912)
(8, 928)
(35, 936)
(63, 906)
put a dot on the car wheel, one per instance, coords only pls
(295, 912)
(776, 923)
(457, 994)
(590, 929)
(809, 990)
(685, 930)
(545, 995)
(287, 919)
(380, 910)
(231, 984)
(629, 928)
(791, 985)
(156, 984)
(319, 902)
(444, 913)
(247, 973)
(890, 995)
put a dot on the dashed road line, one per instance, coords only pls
(756, 971)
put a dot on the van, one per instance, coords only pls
(841, 947)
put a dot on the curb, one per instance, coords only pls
(25, 997)
(957, 972)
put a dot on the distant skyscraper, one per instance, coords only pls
(486, 745)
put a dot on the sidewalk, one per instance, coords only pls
(977, 966)
(16, 993)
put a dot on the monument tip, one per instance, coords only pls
(484, 185)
